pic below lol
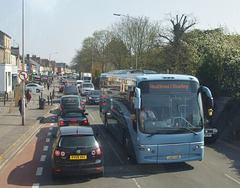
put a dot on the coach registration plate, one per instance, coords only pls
(174, 157)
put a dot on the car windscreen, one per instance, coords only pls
(73, 114)
(70, 102)
(77, 141)
(94, 92)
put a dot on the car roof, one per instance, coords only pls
(71, 96)
(75, 130)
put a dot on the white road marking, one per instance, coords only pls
(101, 131)
(35, 185)
(116, 153)
(52, 124)
(91, 117)
(50, 128)
(47, 139)
(112, 148)
(43, 158)
(232, 178)
(45, 148)
(39, 171)
(136, 183)
(49, 133)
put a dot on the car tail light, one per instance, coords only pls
(61, 123)
(60, 153)
(85, 122)
(97, 151)
(60, 109)
(80, 108)
(82, 103)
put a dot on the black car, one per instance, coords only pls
(76, 152)
(71, 102)
(93, 97)
(70, 90)
(73, 118)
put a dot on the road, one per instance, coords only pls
(32, 166)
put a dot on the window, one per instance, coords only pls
(77, 141)
(9, 78)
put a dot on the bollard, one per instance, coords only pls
(39, 100)
(53, 95)
(4, 99)
(7, 95)
(48, 99)
(51, 99)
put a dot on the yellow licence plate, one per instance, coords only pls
(73, 124)
(78, 157)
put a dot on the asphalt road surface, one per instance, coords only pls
(32, 166)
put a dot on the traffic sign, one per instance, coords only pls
(23, 75)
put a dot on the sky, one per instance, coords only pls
(55, 29)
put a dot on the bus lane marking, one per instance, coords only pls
(39, 171)
(45, 148)
(43, 158)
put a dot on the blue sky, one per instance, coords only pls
(62, 25)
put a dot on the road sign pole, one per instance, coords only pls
(23, 67)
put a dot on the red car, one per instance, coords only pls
(61, 87)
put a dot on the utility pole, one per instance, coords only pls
(23, 66)
(136, 44)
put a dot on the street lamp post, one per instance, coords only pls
(53, 71)
(50, 59)
(136, 46)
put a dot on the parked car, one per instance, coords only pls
(34, 87)
(85, 88)
(70, 90)
(73, 118)
(71, 102)
(76, 152)
(93, 97)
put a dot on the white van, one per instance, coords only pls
(78, 83)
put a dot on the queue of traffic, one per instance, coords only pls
(76, 150)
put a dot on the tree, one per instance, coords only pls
(139, 36)
(176, 53)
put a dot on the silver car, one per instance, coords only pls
(85, 88)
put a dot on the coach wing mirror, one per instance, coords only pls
(208, 102)
(137, 103)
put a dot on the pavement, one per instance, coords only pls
(13, 135)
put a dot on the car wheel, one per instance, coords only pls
(37, 90)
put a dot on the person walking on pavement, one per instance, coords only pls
(28, 96)
(20, 105)
(48, 85)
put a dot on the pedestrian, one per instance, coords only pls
(20, 105)
(48, 85)
(28, 96)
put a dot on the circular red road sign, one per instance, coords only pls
(23, 75)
